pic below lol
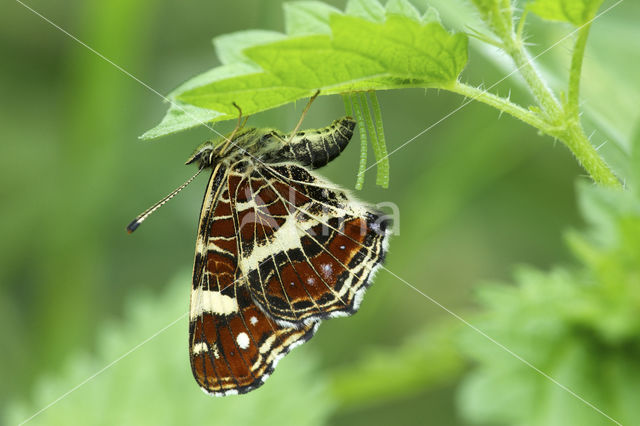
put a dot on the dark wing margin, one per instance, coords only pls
(233, 345)
(310, 249)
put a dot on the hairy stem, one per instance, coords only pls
(543, 95)
(575, 139)
(501, 104)
(576, 72)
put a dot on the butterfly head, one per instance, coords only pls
(214, 151)
(204, 155)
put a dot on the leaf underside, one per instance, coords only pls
(367, 47)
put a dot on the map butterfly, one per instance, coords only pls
(278, 250)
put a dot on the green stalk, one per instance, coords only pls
(571, 135)
(383, 166)
(348, 108)
(575, 139)
(362, 129)
(366, 111)
(543, 95)
(575, 73)
(501, 104)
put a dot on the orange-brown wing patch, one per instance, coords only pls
(236, 352)
(233, 345)
(312, 250)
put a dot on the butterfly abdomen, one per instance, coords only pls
(315, 148)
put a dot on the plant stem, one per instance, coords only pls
(371, 131)
(576, 72)
(543, 95)
(384, 164)
(362, 129)
(570, 134)
(501, 104)
(575, 139)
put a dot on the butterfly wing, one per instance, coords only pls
(233, 345)
(308, 249)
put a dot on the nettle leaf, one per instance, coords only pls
(432, 55)
(431, 15)
(229, 47)
(154, 385)
(371, 10)
(181, 115)
(312, 62)
(576, 12)
(308, 17)
(402, 7)
(367, 48)
(579, 325)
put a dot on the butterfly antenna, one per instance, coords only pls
(238, 127)
(142, 216)
(304, 113)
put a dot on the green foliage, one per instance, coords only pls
(366, 48)
(576, 12)
(370, 127)
(498, 14)
(426, 359)
(452, 192)
(154, 385)
(580, 325)
(372, 47)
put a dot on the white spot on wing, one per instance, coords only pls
(203, 347)
(199, 245)
(243, 340)
(253, 320)
(327, 269)
(212, 302)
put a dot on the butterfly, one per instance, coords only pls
(279, 249)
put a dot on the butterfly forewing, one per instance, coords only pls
(233, 345)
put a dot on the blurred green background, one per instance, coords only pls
(477, 194)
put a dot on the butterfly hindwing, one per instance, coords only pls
(308, 249)
(233, 345)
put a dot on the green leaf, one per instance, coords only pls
(431, 15)
(182, 116)
(404, 47)
(229, 47)
(251, 92)
(579, 325)
(154, 384)
(362, 55)
(313, 62)
(370, 10)
(577, 12)
(404, 8)
(307, 17)
(323, 50)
